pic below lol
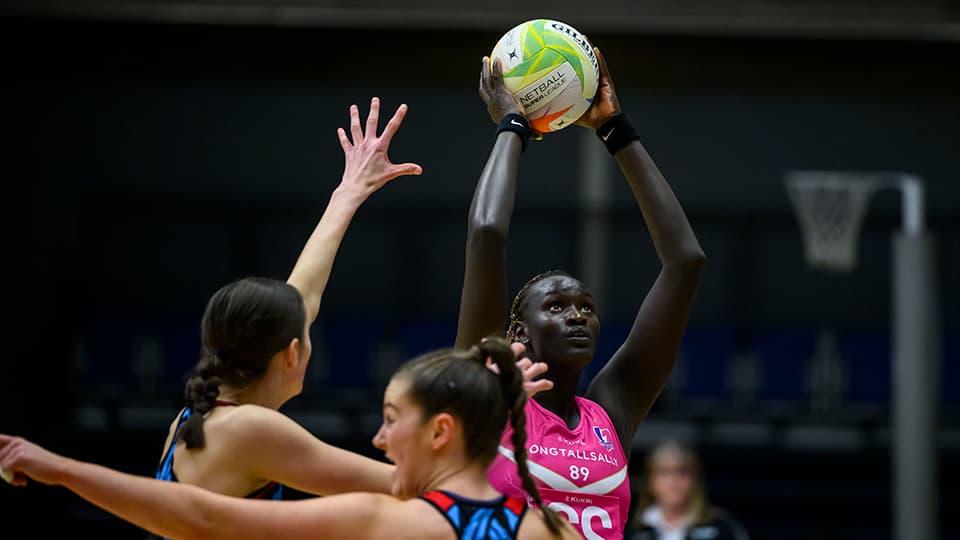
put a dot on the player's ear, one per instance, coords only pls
(443, 427)
(291, 354)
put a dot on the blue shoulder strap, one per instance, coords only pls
(165, 470)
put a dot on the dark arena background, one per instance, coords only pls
(156, 150)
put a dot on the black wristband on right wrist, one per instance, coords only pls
(518, 124)
(617, 132)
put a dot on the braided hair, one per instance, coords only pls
(245, 323)
(459, 382)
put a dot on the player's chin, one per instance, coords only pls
(579, 355)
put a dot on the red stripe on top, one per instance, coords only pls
(223, 403)
(515, 505)
(439, 499)
(262, 492)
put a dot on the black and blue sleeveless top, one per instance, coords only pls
(498, 519)
(165, 472)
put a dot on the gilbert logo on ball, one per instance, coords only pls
(552, 68)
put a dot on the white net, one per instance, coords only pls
(830, 207)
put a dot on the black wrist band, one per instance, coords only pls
(617, 132)
(517, 124)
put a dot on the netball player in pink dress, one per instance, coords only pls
(578, 447)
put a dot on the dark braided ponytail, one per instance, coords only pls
(511, 386)
(202, 389)
(460, 383)
(246, 322)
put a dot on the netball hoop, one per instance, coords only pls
(831, 207)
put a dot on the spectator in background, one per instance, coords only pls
(673, 502)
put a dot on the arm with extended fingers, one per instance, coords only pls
(366, 170)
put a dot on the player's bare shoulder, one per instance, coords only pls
(244, 419)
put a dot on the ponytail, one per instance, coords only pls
(459, 382)
(515, 399)
(202, 389)
(245, 323)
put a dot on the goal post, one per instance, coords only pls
(831, 207)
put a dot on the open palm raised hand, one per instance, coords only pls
(367, 166)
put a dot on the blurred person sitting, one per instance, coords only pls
(673, 503)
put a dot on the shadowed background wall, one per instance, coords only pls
(151, 162)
